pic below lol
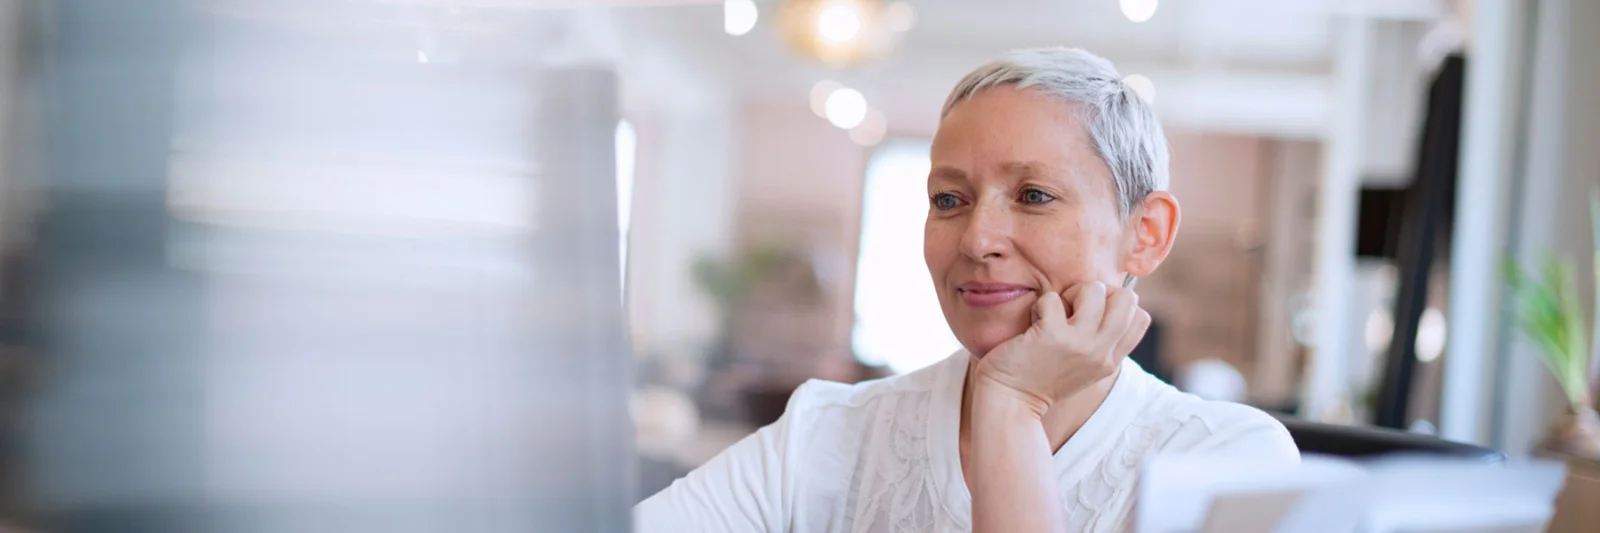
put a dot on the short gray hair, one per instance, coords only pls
(1122, 125)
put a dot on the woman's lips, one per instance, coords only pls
(990, 294)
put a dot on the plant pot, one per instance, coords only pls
(1576, 435)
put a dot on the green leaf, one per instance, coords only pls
(1549, 314)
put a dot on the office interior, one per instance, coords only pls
(221, 215)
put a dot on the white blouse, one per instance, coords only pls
(882, 457)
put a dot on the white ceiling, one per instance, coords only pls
(1245, 66)
(1191, 31)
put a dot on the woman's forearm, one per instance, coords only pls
(1012, 480)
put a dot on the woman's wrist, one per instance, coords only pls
(993, 398)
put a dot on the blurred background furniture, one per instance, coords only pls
(1360, 442)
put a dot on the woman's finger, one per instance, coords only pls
(1070, 298)
(1088, 305)
(1120, 306)
(1050, 312)
(1134, 334)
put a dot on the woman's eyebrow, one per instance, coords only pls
(947, 174)
(1026, 168)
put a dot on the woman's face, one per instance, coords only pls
(1019, 205)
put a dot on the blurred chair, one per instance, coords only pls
(1212, 379)
(1362, 442)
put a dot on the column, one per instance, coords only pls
(1327, 385)
(1492, 108)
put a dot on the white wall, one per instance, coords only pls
(1539, 147)
(677, 93)
(684, 189)
(801, 179)
(1561, 168)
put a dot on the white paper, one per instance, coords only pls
(1190, 494)
(1418, 495)
(1177, 492)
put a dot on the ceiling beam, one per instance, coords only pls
(1397, 10)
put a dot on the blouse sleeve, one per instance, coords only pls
(1239, 431)
(742, 489)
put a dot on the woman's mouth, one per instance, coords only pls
(978, 294)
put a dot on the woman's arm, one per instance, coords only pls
(1012, 481)
(1009, 465)
(739, 490)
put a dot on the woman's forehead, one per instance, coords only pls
(1013, 132)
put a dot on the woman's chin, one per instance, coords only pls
(980, 343)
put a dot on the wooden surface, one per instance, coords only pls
(1578, 506)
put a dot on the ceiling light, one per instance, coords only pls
(871, 129)
(422, 57)
(1431, 334)
(839, 22)
(846, 108)
(1142, 86)
(899, 16)
(739, 16)
(1379, 330)
(1139, 10)
(841, 33)
(819, 96)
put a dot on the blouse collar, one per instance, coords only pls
(1075, 458)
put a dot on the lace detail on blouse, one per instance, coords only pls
(893, 489)
(1101, 500)
(895, 493)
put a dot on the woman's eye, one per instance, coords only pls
(1036, 196)
(946, 200)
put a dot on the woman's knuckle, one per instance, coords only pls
(1106, 364)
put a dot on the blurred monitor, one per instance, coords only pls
(1378, 222)
(295, 279)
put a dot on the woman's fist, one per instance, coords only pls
(1078, 338)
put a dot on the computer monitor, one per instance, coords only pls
(294, 280)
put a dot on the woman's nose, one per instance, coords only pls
(988, 233)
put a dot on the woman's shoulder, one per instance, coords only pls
(823, 394)
(821, 399)
(1196, 424)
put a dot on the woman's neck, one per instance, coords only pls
(1061, 422)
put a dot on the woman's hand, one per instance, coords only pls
(1078, 338)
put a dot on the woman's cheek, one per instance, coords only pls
(1061, 264)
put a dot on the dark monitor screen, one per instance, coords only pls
(1378, 222)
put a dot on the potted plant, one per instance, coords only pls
(1548, 313)
(738, 386)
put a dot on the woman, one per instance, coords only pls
(1046, 199)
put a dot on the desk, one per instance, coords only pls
(1578, 506)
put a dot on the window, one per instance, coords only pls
(898, 320)
(627, 143)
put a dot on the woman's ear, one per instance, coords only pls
(1152, 228)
